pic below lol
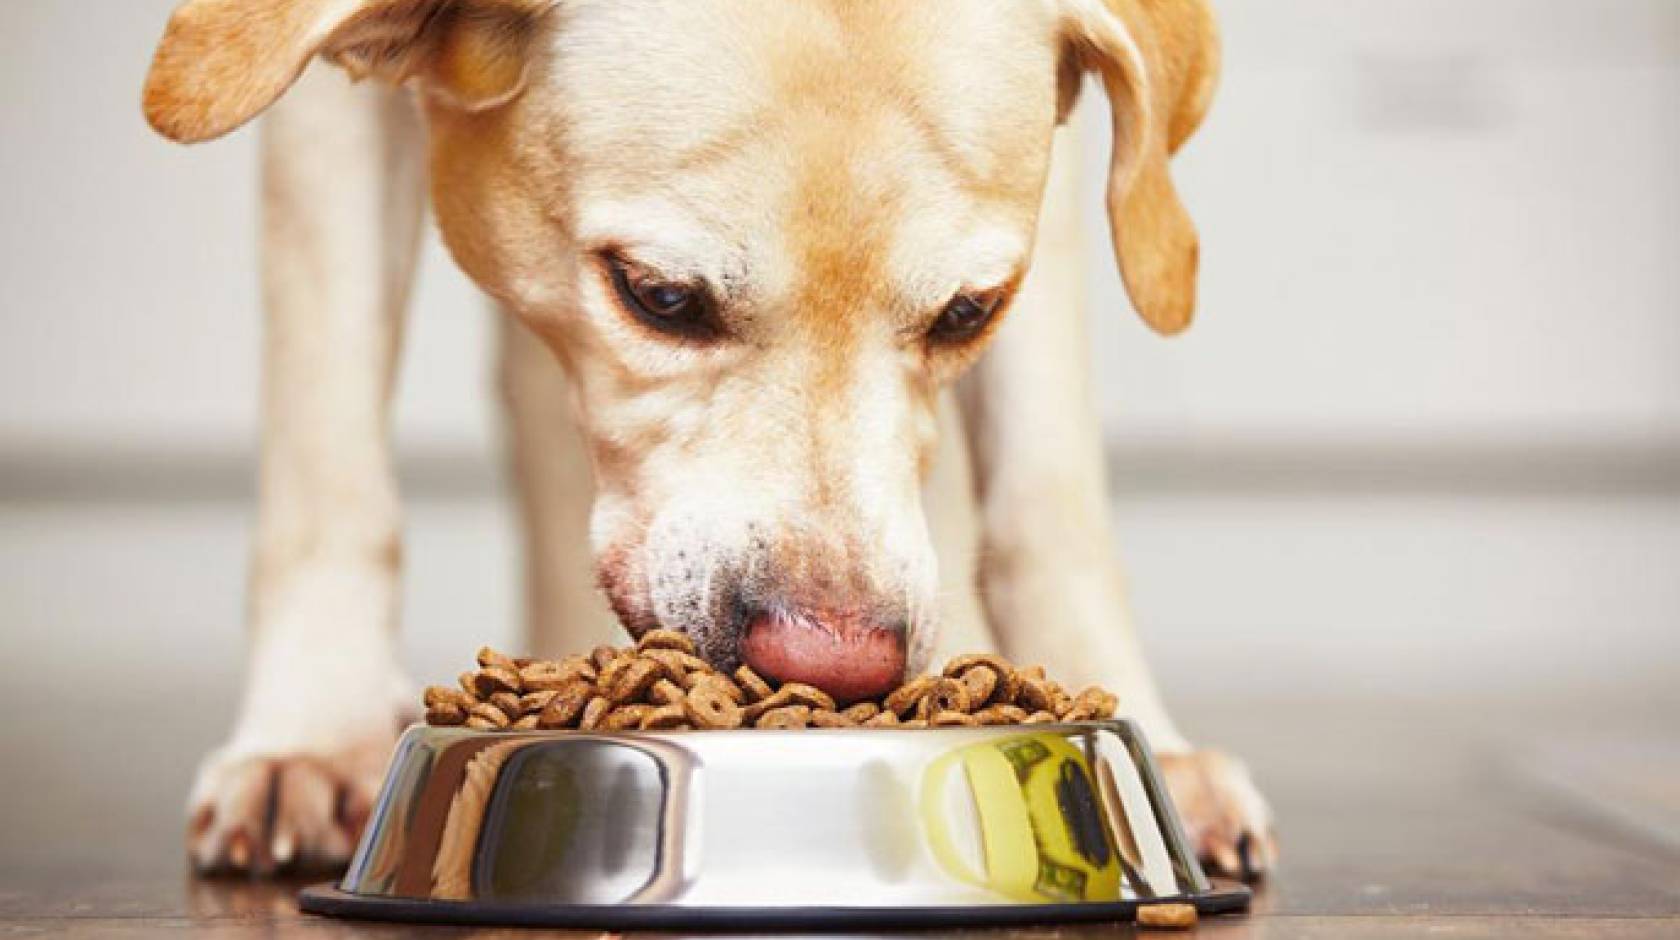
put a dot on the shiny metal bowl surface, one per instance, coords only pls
(831, 827)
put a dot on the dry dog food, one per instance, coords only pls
(659, 684)
(1170, 916)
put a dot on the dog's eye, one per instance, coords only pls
(965, 317)
(667, 306)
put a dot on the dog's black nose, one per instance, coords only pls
(848, 656)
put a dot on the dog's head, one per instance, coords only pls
(760, 234)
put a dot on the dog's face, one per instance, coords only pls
(761, 236)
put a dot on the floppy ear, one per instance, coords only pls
(1159, 62)
(221, 62)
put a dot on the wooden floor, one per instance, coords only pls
(1460, 822)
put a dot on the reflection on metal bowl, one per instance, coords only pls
(841, 827)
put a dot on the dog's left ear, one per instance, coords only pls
(1159, 62)
(221, 62)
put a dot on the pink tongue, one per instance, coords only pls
(847, 660)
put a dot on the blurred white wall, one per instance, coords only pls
(1423, 218)
(1436, 217)
(1423, 434)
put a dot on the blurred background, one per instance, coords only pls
(1421, 449)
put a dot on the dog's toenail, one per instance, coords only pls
(1227, 860)
(284, 847)
(239, 849)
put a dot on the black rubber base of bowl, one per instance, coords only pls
(326, 899)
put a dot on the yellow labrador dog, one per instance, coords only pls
(745, 246)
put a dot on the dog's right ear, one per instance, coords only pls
(221, 62)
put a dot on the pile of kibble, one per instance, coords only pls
(660, 685)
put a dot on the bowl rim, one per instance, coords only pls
(1224, 897)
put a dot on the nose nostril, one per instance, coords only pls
(847, 657)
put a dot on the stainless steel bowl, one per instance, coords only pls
(747, 829)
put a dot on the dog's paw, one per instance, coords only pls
(265, 813)
(294, 787)
(1225, 817)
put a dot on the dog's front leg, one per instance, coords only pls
(1049, 574)
(342, 186)
(564, 609)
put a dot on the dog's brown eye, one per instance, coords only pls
(667, 306)
(965, 317)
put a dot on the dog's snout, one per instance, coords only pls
(848, 655)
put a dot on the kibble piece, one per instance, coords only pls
(492, 679)
(1008, 688)
(957, 665)
(601, 655)
(1035, 696)
(532, 703)
(547, 676)
(625, 717)
(823, 718)
(469, 684)
(526, 723)
(1093, 703)
(665, 692)
(788, 716)
(665, 640)
(665, 717)
(1040, 718)
(489, 658)
(445, 714)
(906, 696)
(709, 708)
(593, 713)
(948, 695)
(681, 668)
(1001, 715)
(693, 663)
(721, 684)
(508, 703)
(981, 681)
(1172, 916)
(776, 699)
(482, 724)
(444, 695)
(1060, 701)
(484, 711)
(882, 720)
(914, 723)
(950, 719)
(608, 674)
(632, 681)
(567, 705)
(808, 695)
(752, 684)
(1008, 680)
(862, 712)
(678, 661)
(670, 664)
